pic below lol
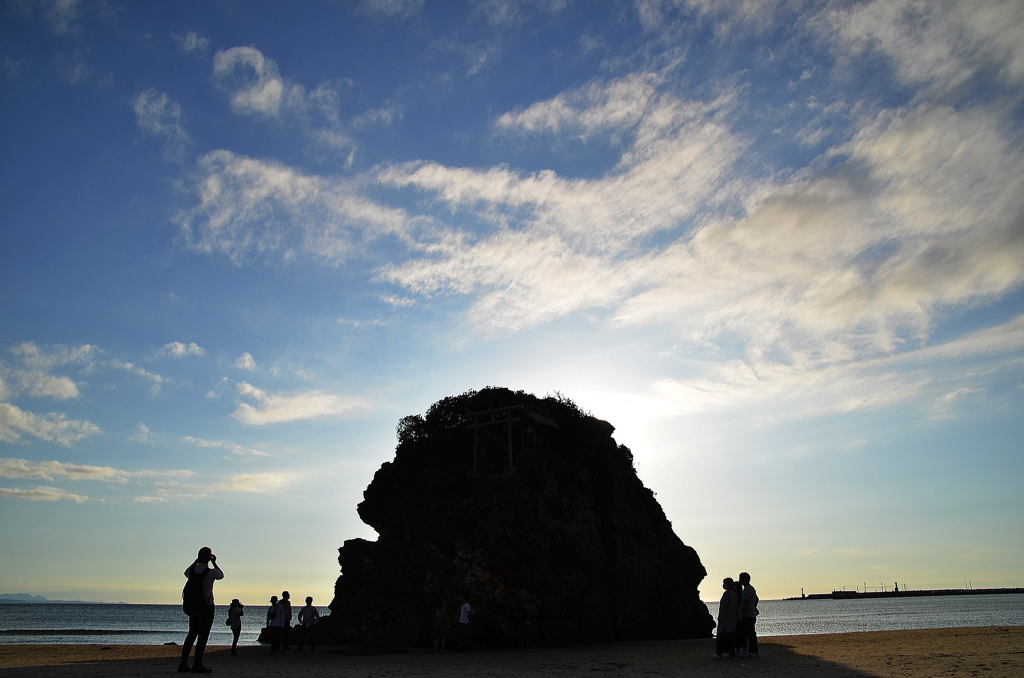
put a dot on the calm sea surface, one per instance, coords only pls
(118, 624)
(158, 624)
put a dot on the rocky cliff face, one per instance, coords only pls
(530, 508)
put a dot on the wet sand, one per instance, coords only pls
(990, 651)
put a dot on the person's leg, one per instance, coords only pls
(752, 636)
(206, 623)
(235, 632)
(723, 643)
(744, 626)
(190, 638)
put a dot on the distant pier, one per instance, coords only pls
(846, 595)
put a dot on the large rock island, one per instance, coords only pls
(528, 507)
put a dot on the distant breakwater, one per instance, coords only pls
(843, 595)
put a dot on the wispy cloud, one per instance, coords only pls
(63, 16)
(58, 470)
(48, 358)
(943, 373)
(944, 407)
(390, 8)
(158, 115)
(178, 349)
(42, 493)
(192, 42)
(578, 241)
(142, 434)
(38, 384)
(156, 380)
(939, 44)
(243, 483)
(257, 88)
(250, 208)
(254, 483)
(245, 362)
(234, 449)
(273, 408)
(54, 427)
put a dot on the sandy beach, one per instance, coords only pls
(991, 651)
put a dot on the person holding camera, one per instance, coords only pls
(197, 601)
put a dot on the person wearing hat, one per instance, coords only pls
(201, 574)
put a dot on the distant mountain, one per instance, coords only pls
(21, 598)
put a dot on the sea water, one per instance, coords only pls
(800, 617)
(110, 624)
(159, 624)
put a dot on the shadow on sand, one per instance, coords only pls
(680, 658)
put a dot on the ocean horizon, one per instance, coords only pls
(130, 624)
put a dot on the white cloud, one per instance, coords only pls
(48, 358)
(254, 483)
(245, 362)
(267, 408)
(42, 493)
(523, 279)
(358, 324)
(923, 218)
(256, 88)
(62, 15)
(55, 470)
(177, 349)
(39, 384)
(397, 301)
(157, 114)
(940, 44)
(131, 368)
(244, 483)
(249, 208)
(54, 427)
(234, 449)
(222, 385)
(390, 8)
(192, 42)
(944, 406)
(945, 373)
(675, 157)
(578, 241)
(511, 13)
(617, 105)
(142, 434)
(51, 470)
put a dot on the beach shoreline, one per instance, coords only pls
(994, 651)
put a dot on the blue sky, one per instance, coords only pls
(780, 246)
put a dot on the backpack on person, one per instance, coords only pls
(193, 600)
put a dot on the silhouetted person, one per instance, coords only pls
(465, 625)
(739, 643)
(441, 627)
(275, 624)
(235, 613)
(198, 601)
(748, 616)
(728, 615)
(286, 607)
(308, 617)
